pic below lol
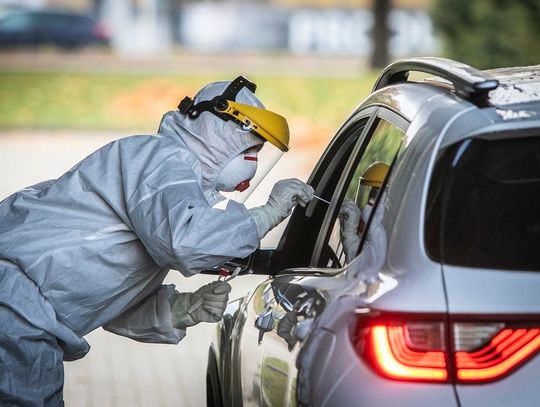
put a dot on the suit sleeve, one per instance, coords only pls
(179, 229)
(149, 321)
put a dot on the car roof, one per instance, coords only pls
(495, 87)
(516, 85)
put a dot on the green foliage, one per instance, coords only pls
(274, 377)
(489, 33)
(382, 147)
(118, 102)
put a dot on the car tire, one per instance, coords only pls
(213, 390)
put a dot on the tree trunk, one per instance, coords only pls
(97, 8)
(380, 33)
(175, 13)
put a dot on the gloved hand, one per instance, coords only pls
(207, 304)
(285, 195)
(285, 328)
(349, 218)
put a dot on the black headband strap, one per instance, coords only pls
(188, 107)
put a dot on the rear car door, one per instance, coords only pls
(483, 226)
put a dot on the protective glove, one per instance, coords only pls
(207, 304)
(285, 195)
(349, 218)
(285, 328)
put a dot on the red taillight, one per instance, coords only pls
(503, 353)
(418, 351)
(397, 360)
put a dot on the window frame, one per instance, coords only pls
(327, 226)
(287, 251)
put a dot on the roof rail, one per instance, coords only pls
(469, 83)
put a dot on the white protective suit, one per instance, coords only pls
(92, 248)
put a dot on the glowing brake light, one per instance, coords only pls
(502, 354)
(419, 351)
(395, 359)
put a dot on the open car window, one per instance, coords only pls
(298, 242)
(360, 196)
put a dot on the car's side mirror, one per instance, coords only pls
(264, 323)
(256, 263)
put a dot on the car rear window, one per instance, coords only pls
(483, 208)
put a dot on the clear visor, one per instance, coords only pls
(267, 158)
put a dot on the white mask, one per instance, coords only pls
(235, 176)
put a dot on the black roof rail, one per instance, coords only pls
(469, 83)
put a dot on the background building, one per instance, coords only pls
(321, 27)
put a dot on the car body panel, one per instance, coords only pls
(485, 291)
(405, 99)
(318, 358)
(249, 351)
(518, 389)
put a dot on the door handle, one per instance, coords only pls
(264, 323)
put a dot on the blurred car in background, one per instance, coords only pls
(64, 29)
(430, 297)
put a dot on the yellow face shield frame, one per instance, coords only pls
(375, 174)
(263, 123)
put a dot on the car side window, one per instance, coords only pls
(361, 194)
(299, 239)
(15, 23)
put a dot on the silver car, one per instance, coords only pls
(418, 283)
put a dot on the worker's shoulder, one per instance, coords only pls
(141, 140)
(154, 148)
(140, 144)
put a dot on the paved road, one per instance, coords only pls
(119, 371)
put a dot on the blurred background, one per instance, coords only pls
(76, 74)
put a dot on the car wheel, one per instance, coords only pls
(213, 392)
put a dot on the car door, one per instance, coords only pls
(250, 333)
(312, 252)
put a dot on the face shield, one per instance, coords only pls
(244, 172)
(267, 157)
(369, 186)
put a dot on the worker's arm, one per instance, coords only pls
(179, 229)
(150, 320)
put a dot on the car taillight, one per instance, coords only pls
(396, 356)
(498, 355)
(420, 350)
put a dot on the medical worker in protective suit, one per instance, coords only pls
(92, 248)
(352, 219)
